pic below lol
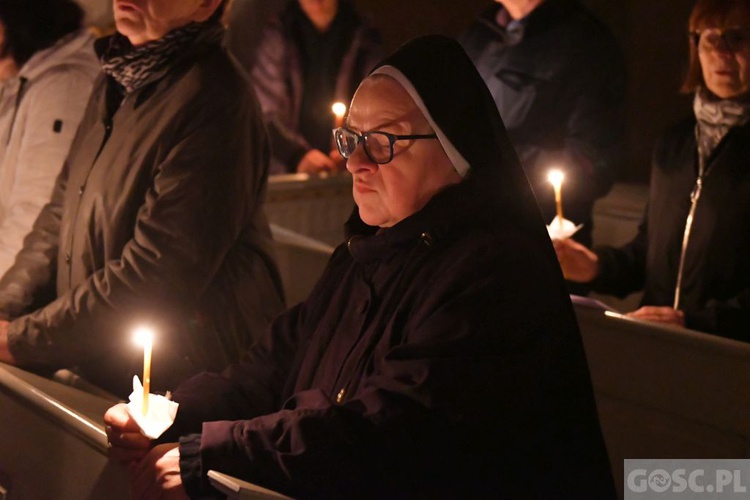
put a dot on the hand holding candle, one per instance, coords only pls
(339, 112)
(159, 417)
(145, 337)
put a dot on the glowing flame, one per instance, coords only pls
(143, 336)
(555, 177)
(339, 109)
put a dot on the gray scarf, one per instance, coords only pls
(715, 118)
(133, 67)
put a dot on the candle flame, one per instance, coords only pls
(555, 177)
(143, 336)
(339, 109)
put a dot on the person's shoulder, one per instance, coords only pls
(73, 57)
(73, 82)
(275, 40)
(481, 31)
(209, 85)
(676, 141)
(584, 28)
(678, 131)
(494, 249)
(217, 75)
(581, 18)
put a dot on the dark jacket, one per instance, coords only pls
(278, 80)
(715, 292)
(560, 92)
(156, 218)
(438, 358)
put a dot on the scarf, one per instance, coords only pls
(715, 117)
(133, 67)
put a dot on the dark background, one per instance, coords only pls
(652, 34)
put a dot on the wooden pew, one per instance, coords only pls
(53, 445)
(313, 205)
(301, 261)
(52, 441)
(666, 392)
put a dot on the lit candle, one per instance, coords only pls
(339, 111)
(145, 337)
(555, 177)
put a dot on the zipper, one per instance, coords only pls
(695, 195)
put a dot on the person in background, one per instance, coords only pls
(157, 215)
(437, 357)
(690, 255)
(314, 53)
(47, 69)
(557, 76)
(245, 20)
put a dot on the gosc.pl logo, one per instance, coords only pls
(679, 480)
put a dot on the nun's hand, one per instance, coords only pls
(578, 262)
(124, 438)
(157, 476)
(659, 315)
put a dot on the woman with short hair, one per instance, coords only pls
(690, 256)
(47, 69)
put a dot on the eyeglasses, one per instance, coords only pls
(378, 145)
(735, 39)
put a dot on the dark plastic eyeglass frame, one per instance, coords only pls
(362, 139)
(695, 37)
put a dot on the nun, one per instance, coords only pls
(437, 357)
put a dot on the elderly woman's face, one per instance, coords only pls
(388, 193)
(143, 21)
(725, 65)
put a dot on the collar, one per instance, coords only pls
(546, 16)
(446, 216)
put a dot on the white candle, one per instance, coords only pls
(339, 111)
(555, 177)
(145, 336)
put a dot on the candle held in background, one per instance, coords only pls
(145, 337)
(339, 112)
(555, 177)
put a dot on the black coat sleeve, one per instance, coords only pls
(622, 270)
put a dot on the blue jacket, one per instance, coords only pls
(560, 93)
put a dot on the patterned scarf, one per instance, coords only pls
(715, 118)
(133, 67)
